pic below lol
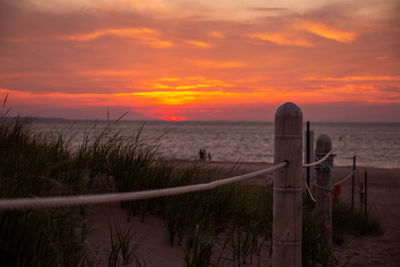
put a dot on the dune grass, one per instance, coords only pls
(346, 222)
(32, 166)
(240, 215)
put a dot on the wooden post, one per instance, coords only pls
(352, 183)
(309, 148)
(366, 193)
(324, 187)
(308, 158)
(287, 207)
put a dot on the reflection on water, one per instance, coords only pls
(375, 144)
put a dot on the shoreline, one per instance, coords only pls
(267, 164)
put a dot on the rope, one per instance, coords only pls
(329, 189)
(326, 188)
(319, 161)
(68, 201)
(309, 193)
(346, 178)
(325, 168)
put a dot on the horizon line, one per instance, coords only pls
(182, 121)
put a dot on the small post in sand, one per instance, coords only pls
(366, 192)
(352, 183)
(287, 204)
(324, 185)
(309, 147)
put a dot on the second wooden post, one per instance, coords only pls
(286, 229)
(324, 189)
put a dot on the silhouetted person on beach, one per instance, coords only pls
(209, 156)
(202, 154)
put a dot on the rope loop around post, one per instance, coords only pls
(329, 189)
(327, 169)
(319, 161)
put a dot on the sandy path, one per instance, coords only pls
(155, 248)
(383, 203)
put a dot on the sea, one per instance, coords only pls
(373, 144)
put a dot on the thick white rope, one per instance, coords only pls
(309, 192)
(319, 161)
(346, 178)
(68, 201)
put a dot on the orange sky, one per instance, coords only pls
(175, 60)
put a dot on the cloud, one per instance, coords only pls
(198, 43)
(124, 32)
(109, 72)
(354, 78)
(214, 64)
(181, 87)
(189, 83)
(327, 32)
(216, 34)
(179, 97)
(170, 79)
(274, 9)
(153, 6)
(292, 34)
(284, 39)
(26, 74)
(145, 35)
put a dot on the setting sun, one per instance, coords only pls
(173, 118)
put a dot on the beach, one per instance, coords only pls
(383, 203)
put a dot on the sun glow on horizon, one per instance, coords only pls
(173, 118)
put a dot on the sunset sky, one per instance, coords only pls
(201, 60)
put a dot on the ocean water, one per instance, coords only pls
(374, 144)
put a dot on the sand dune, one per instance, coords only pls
(383, 203)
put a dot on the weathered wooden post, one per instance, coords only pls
(366, 193)
(352, 183)
(308, 150)
(324, 187)
(287, 207)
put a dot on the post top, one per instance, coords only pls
(289, 108)
(288, 120)
(324, 144)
